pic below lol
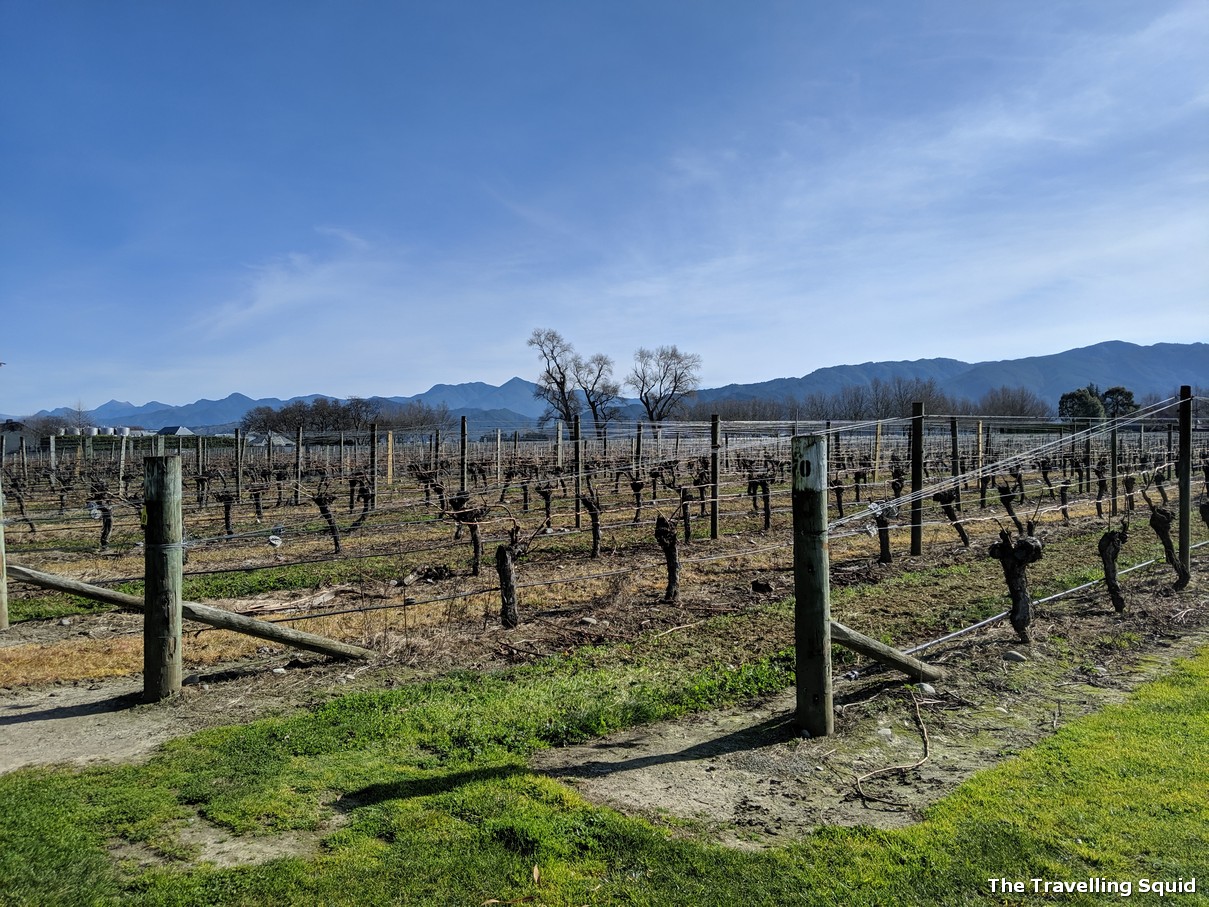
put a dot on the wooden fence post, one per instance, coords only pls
(239, 453)
(877, 454)
(917, 479)
(1185, 477)
(462, 456)
(578, 464)
(1112, 469)
(390, 458)
(956, 465)
(298, 467)
(162, 566)
(3, 561)
(812, 593)
(373, 466)
(714, 433)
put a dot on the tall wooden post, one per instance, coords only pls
(373, 466)
(162, 568)
(715, 429)
(390, 458)
(638, 450)
(577, 460)
(499, 457)
(558, 455)
(239, 442)
(3, 561)
(917, 479)
(122, 465)
(812, 592)
(956, 455)
(1112, 468)
(1185, 476)
(462, 454)
(877, 454)
(298, 466)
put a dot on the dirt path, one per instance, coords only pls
(743, 776)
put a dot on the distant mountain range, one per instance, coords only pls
(1159, 369)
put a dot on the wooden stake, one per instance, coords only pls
(812, 609)
(3, 564)
(1185, 478)
(879, 651)
(162, 566)
(202, 614)
(714, 433)
(917, 479)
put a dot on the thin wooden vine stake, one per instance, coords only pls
(162, 596)
(1185, 478)
(812, 609)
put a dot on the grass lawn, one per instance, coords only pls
(422, 795)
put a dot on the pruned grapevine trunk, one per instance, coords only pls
(1015, 558)
(1110, 548)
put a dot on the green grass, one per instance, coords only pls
(442, 810)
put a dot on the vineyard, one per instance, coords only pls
(426, 553)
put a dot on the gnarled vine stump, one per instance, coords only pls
(665, 536)
(1110, 548)
(1015, 558)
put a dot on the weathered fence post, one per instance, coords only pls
(373, 466)
(3, 561)
(1113, 452)
(812, 593)
(714, 434)
(463, 463)
(917, 479)
(239, 455)
(578, 465)
(955, 471)
(877, 454)
(298, 466)
(390, 458)
(162, 568)
(1185, 477)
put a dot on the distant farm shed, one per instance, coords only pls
(174, 430)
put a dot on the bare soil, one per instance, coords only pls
(746, 777)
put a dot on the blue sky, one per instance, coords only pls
(360, 198)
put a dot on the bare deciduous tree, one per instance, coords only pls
(594, 378)
(556, 383)
(664, 379)
(1013, 401)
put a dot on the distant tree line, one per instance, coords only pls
(879, 399)
(353, 414)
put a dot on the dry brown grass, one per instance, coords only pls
(450, 622)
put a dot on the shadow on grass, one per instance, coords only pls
(427, 786)
(778, 729)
